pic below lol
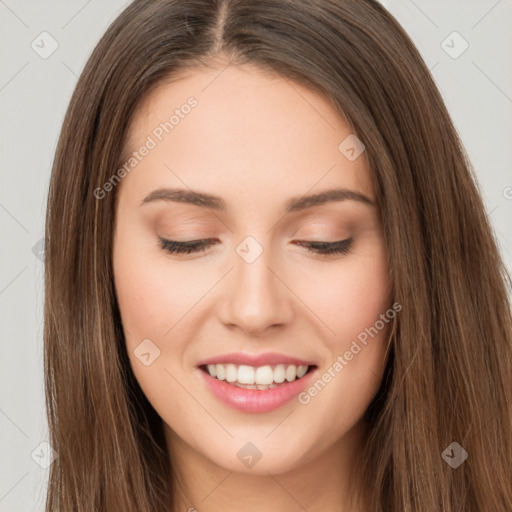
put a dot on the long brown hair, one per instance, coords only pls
(449, 372)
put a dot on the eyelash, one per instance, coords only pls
(190, 246)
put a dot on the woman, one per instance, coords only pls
(270, 279)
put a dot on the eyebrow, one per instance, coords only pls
(292, 205)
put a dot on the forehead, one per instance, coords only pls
(248, 130)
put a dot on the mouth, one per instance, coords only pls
(257, 377)
(256, 383)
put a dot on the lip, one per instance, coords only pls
(254, 400)
(269, 358)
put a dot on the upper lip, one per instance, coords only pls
(267, 358)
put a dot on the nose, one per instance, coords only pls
(256, 296)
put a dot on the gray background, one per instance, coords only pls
(34, 93)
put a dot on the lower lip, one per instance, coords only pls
(255, 400)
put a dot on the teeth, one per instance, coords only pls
(221, 372)
(291, 373)
(262, 377)
(231, 373)
(279, 373)
(301, 371)
(246, 374)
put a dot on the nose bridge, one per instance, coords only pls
(255, 299)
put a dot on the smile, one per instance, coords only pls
(256, 384)
(260, 377)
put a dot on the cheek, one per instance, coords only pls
(150, 296)
(136, 292)
(150, 306)
(351, 373)
(352, 295)
(366, 295)
(352, 299)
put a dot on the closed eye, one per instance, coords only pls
(195, 246)
(185, 247)
(339, 247)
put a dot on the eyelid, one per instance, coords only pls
(187, 246)
(194, 246)
(327, 248)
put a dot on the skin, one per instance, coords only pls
(256, 140)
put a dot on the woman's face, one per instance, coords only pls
(245, 162)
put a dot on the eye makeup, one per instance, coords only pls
(194, 246)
